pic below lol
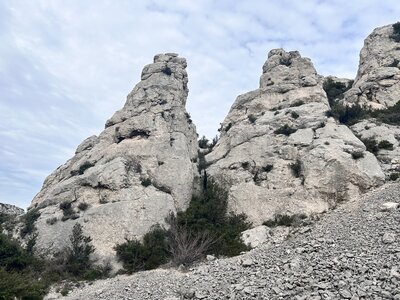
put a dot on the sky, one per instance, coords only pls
(67, 66)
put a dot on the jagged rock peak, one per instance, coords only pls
(280, 153)
(284, 71)
(163, 85)
(377, 84)
(9, 209)
(130, 177)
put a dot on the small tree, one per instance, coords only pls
(78, 254)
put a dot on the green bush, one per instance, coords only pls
(385, 145)
(78, 254)
(29, 220)
(396, 32)
(68, 212)
(267, 168)
(21, 285)
(149, 254)
(83, 206)
(357, 154)
(252, 118)
(296, 168)
(145, 182)
(209, 213)
(285, 129)
(394, 176)
(371, 144)
(294, 115)
(86, 165)
(335, 90)
(297, 103)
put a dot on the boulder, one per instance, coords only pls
(256, 236)
(279, 152)
(130, 177)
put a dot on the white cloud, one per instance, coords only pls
(65, 67)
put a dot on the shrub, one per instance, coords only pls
(51, 221)
(145, 182)
(385, 145)
(371, 144)
(297, 103)
(294, 115)
(252, 118)
(285, 220)
(286, 130)
(296, 168)
(208, 213)
(394, 176)
(357, 154)
(267, 168)
(68, 212)
(185, 246)
(203, 142)
(334, 90)
(245, 165)
(29, 220)
(396, 32)
(390, 115)
(78, 254)
(167, 71)
(150, 254)
(86, 165)
(83, 206)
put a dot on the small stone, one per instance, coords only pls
(388, 238)
(345, 294)
(389, 206)
(210, 257)
(247, 262)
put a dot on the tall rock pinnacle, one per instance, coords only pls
(279, 152)
(131, 176)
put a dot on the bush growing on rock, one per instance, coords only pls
(204, 228)
(385, 145)
(149, 254)
(29, 220)
(396, 32)
(285, 129)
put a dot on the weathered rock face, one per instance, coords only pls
(9, 209)
(377, 84)
(131, 176)
(385, 138)
(279, 153)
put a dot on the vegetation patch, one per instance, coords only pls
(29, 220)
(83, 206)
(204, 228)
(394, 176)
(385, 145)
(294, 115)
(396, 32)
(267, 168)
(286, 130)
(145, 182)
(357, 154)
(252, 118)
(296, 168)
(297, 103)
(68, 212)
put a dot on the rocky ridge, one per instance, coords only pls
(9, 209)
(352, 252)
(279, 152)
(130, 177)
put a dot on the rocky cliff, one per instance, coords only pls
(377, 84)
(131, 176)
(279, 152)
(9, 209)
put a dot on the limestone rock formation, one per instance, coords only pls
(279, 153)
(131, 176)
(377, 84)
(385, 140)
(9, 209)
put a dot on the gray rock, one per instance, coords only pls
(279, 153)
(9, 209)
(388, 238)
(137, 171)
(377, 84)
(256, 236)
